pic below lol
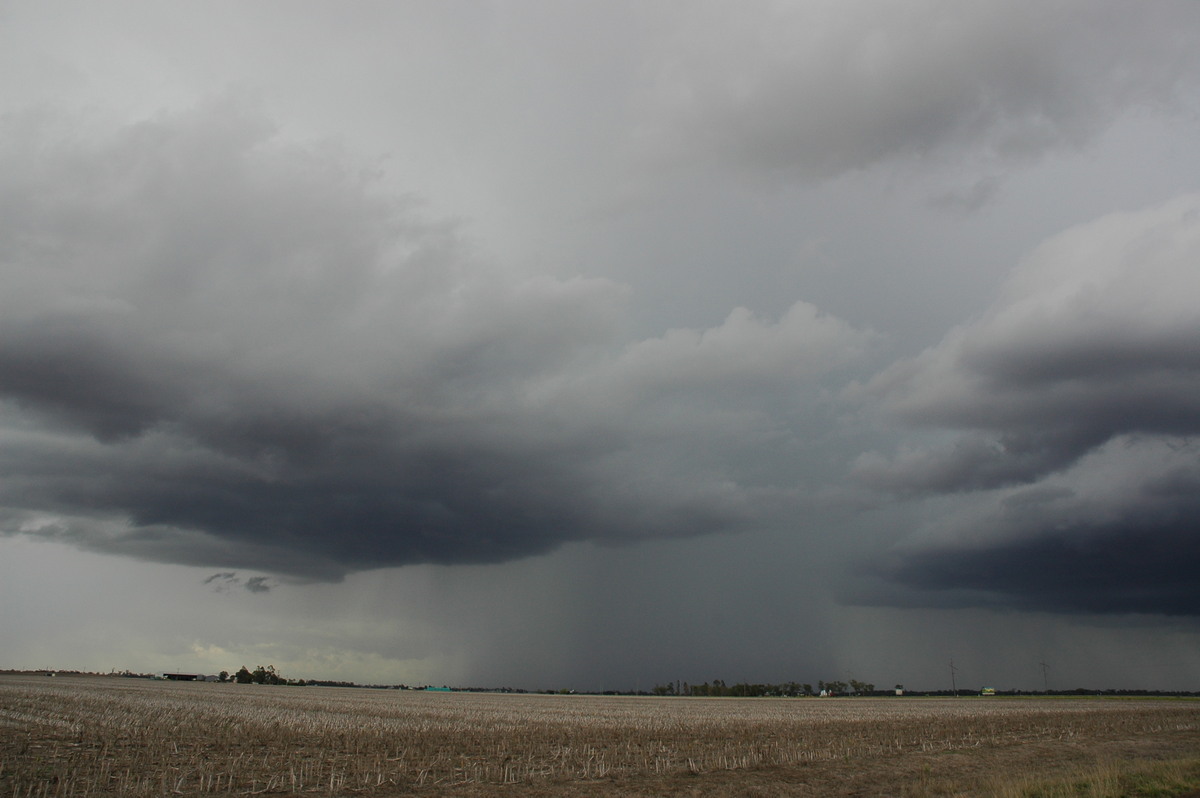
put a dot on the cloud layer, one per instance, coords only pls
(1082, 381)
(487, 291)
(816, 89)
(221, 348)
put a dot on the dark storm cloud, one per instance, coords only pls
(816, 89)
(1093, 340)
(227, 580)
(221, 578)
(976, 461)
(219, 348)
(258, 584)
(1059, 553)
(1083, 381)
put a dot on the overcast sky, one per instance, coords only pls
(603, 344)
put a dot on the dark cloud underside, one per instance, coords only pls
(229, 350)
(1070, 384)
(1139, 564)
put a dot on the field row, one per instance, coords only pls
(98, 736)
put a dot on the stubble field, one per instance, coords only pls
(78, 736)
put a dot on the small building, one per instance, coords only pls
(181, 677)
(988, 691)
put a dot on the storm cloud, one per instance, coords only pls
(1086, 372)
(1068, 359)
(594, 344)
(809, 91)
(218, 347)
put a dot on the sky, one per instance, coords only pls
(603, 344)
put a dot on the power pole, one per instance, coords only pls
(1045, 680)
(953, 681)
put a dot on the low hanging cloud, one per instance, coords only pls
(1116, 534)
(221, 348)
(1095, 337)
(1075, 402)
(812, 90)
(227, 580)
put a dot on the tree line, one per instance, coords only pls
(717, 687)
(793, 689)
(269, 675)
(259, 675)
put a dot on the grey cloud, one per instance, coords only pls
(223, 582)
(220, 348)
(1074, 411)
(972, 198)
(1036, 496)
(979, 460)
(812, 90)
(1094, 339)
(1061, 553)
(227, 580)
(230, 340)
(258, 584)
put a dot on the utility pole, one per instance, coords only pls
(1045, 680)
(953, 681)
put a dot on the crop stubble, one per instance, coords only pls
(111, 736)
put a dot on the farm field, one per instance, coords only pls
(78, 736)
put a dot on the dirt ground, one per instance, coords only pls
(980, 771)
(122, 737)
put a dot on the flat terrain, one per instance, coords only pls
(76, 736)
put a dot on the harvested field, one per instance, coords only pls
(111, 736)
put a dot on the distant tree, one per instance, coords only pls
(223, 676)
(267, 675)
(243, 676)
